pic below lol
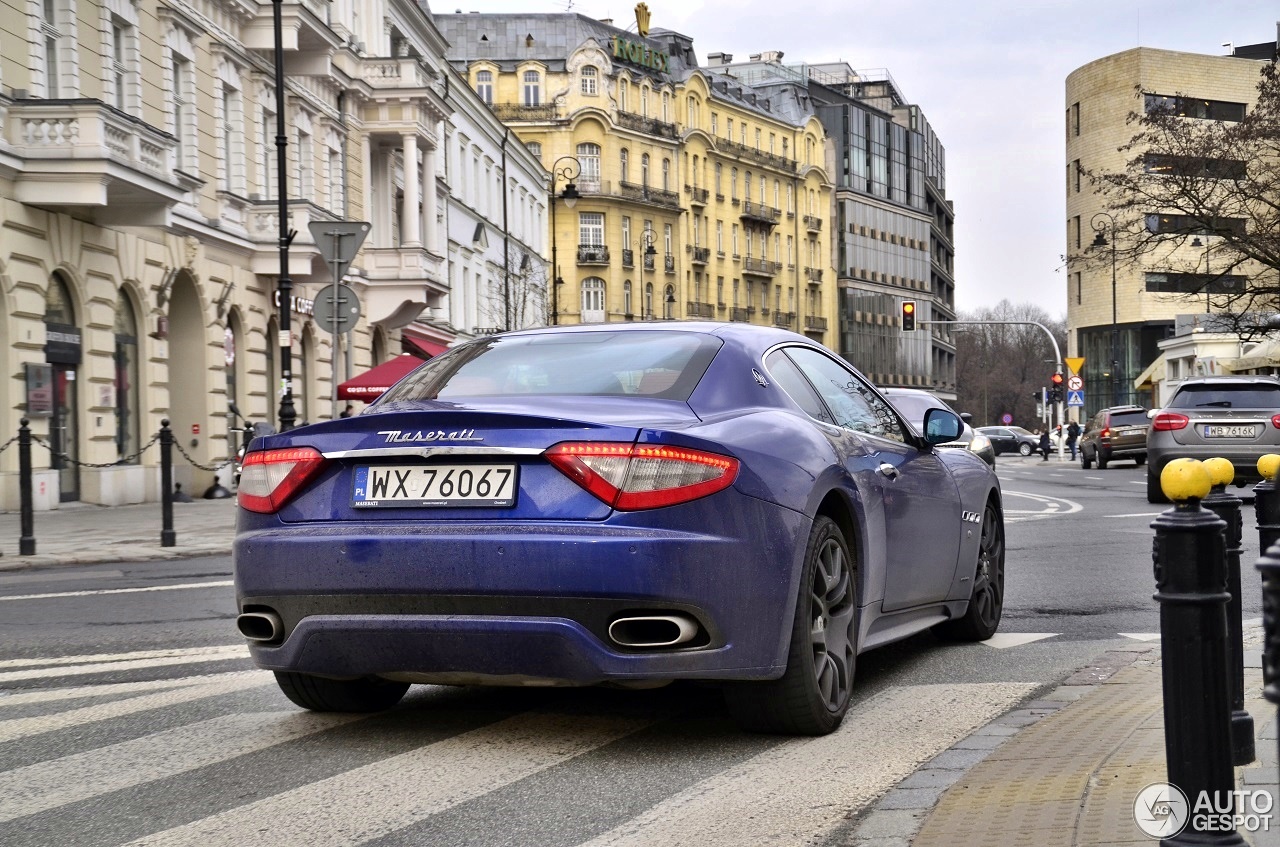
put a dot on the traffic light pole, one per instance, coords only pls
(1057, 364)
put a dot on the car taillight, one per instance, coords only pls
(1169, 421)
(630, 477)
(1105, 432)
(1275, 421)
(269, 478)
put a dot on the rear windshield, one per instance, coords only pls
(1136, 418)
(1242, 396)
(664, 365)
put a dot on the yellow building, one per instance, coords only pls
(696, 196)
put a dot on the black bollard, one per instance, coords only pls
(1191, 581)
(1269, 565)
(1266, 502)
(1227, 506)
(167, 536)
(27, 540)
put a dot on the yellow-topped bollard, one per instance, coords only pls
(1221, 471)
(1185, 479)
(1269, 466)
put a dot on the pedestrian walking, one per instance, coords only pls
(1073, 433)
(1044, 445)
(346, 413)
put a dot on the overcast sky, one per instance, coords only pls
(990, 77)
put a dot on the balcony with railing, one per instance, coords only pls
(628, 257)
(84, 153)
(394, 73)
(700, 255)
(759, 156)
(760, 267)
(669, 263)
(813, 223)
(697, 195)
(651, 126)
(758, 212)
(694, 309)
(786, 320)
(648, 194)
(813, 274)
(813, 323)
(738, 313)
(648, 261)
(593, 254)
(522, 112)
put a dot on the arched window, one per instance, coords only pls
(590, 77)
(648, 300)
(593, 300)
(693, 113)
(589, 160)
(625, 162)
(484, 86)
(669, 302)
(532, 88)
(626, 300)
(128, 432)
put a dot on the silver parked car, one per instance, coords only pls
(914, 402)
(1235, 417)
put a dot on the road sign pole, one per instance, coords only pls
(329, 237)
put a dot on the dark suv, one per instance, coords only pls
(1119, 432)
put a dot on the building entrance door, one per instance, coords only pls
(64, 432)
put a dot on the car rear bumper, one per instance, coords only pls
(476, 602)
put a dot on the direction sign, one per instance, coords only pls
(1075, 398)
(337, 313)
(1074, 363)
(1075, 383)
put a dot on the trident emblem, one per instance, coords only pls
(642, 19)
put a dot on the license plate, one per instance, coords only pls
(1230, 431)
(434, 485)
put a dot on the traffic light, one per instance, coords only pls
(1055, 388)
(908, 315)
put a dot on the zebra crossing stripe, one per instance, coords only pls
(16, 728)
(47, 785)
(375, 800)
(212, 654)
(802, 787)
(83, 692)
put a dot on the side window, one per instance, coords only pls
(788, 377)
(854, 403)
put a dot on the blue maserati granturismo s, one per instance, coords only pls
(627, 504)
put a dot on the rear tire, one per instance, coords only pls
(1102, 461)
(986, 601)
(1155, 494)
(812, 696)
(321, 694)
(1139, 461)
(1024, 449)
(1085, 461)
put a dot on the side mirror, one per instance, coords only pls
(941, 426)
(966, 417)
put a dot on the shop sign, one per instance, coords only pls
(39, 389)
(61, 344)
(640, 54)
(297, 305)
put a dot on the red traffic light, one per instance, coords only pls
(1056, 379)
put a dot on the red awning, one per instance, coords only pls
(370, 385)
(423, 348)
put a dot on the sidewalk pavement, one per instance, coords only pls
(82, 533)
(1062, 770)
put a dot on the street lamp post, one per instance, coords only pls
(649, 262)
(568, 171)
(1100, 240)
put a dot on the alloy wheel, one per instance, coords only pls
(831, 624)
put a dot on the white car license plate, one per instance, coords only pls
(1229, 431)
(434, 485)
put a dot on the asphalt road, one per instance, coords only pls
(130, 714)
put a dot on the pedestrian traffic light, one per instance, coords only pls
(908, 315)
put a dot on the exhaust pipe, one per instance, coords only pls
(653, 630)
(260, 626)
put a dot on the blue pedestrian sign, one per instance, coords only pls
(1075, 398)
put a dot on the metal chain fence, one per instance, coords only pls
(123, 460)
(5, 446)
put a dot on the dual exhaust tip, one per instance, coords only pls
(635, 632)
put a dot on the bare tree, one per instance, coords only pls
(1194, 179)
(520, 301)
(1001, 367)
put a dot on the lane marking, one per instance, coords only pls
(1049, 507)
(10, 579)
(37, 788)
(100, 591)
(16, 728)
(114, 657)
(1136, 515)
(1004, 640)
(378, 799)
(805, 786)
(1141, 636)
(213, 654)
